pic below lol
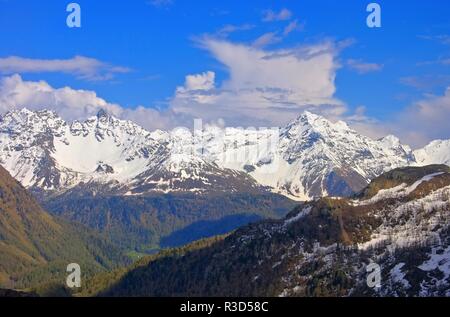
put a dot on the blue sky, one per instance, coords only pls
(147, 48)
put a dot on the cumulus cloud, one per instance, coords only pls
(282, 15)
(416, 125)
(80, 66)
(74, 104)
(263, 86)
(307, 70)
(363, 67)
(204, 81)
(197, 88)
(71, 104)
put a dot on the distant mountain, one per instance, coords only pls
(43, 151)
(146, 189)
(436, 152)
(312, 157)
(36, 248)
(400, 222)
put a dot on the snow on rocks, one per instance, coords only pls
(311, 157)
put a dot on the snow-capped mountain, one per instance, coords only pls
(43, 151)
(316, 157)
(436, 152)
(310, 157)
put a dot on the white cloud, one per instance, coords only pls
(80, 66)
(71, 104)
(16, 93)
(362, 67)
(282, 15)
(425, 120)
(196, 88)
(416, 125)
(204, 81)
(307, 70)
(267, 39)
(264, 87)
(152, 119)
(366, 125)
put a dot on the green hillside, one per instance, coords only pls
(36, 247)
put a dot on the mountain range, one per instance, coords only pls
(146, 190)
(310, 157)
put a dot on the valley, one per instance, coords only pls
(320, 249)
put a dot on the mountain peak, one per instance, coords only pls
(313, 156)
(23, 112)
(390, 140)
(24, 115)
(308, 117)
(102, 113)
(314, 122)
(305, 119)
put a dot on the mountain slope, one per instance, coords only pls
(32, 242)
(401, 222)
